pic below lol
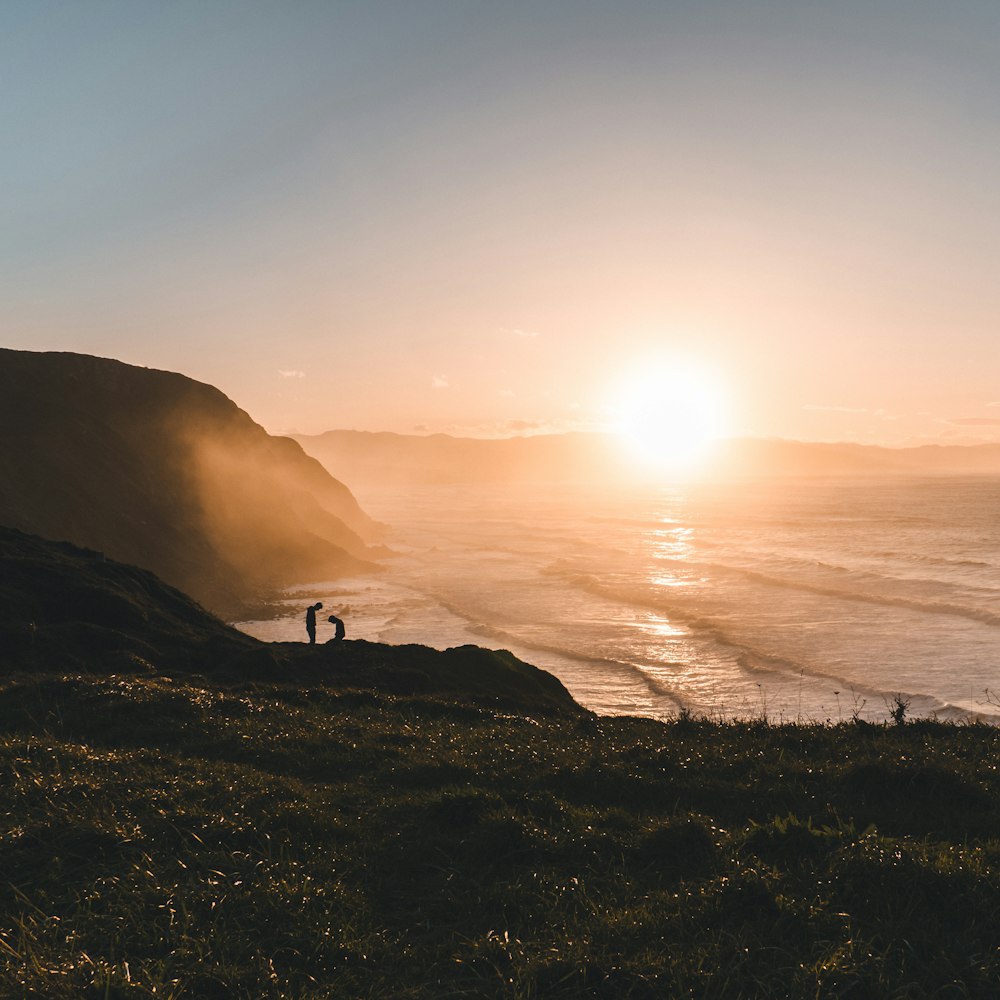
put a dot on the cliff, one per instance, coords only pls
(158, 470)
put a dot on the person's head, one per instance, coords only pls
(317, 606)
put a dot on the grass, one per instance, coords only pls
(188, 838)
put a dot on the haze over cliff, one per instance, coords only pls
(169, 474)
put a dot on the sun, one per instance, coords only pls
(669, 415)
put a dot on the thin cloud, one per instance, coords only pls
(439, 382)
(514, 427)
(516, 331)
(291, 374)
(995, 403)
(521, 426)
(976, 421)
(819, 407)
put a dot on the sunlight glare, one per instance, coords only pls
(670, 415)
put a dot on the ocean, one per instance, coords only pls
(791, 600)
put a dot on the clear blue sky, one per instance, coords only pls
(476, 216)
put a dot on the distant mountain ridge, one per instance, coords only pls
(169, 474)
(777, 457)
(384, 458)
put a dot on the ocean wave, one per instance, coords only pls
(932, 559)
(749, 657)
(573, 574)
(643, 523)
(655, 686)
(981, 615)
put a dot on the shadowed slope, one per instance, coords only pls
(164, 472)
(67, 609)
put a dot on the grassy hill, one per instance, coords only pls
(161, 471)
(262, 821)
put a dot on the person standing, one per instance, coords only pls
(311, 620)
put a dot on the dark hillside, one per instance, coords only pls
(161, 471)
(65, 608)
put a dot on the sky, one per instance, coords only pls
(487, 218)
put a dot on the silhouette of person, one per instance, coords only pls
(311, 620)
(340, 630)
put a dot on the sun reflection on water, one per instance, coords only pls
(662, 628)
(672, 543)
